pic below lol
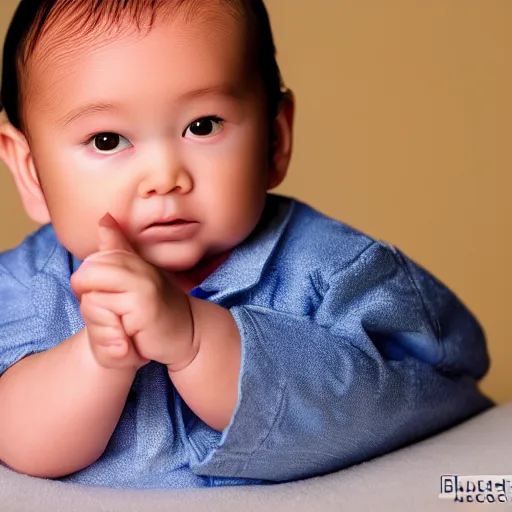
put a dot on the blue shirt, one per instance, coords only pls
(349, 351)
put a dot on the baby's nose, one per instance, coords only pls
(164, 180)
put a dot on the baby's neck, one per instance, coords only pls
(189, 279)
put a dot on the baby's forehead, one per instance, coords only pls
(81, 19)
(75, 28)
(174, 57)
(64, 44)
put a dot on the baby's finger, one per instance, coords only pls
(100, 306)
(119, 257)
(109, 344)
(111, 236)
(94, 310)
(107, 335)
(111, 354)
(104, 326)
(119, 355)
(102, 277)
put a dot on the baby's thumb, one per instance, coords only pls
(110, 235)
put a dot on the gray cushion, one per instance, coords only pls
(408, 479)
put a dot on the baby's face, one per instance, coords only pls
(169, 125)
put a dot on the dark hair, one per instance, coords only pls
(31, 17)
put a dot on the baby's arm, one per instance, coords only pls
(198, 341)
(59, 408)
(209, 384)
(389, 356)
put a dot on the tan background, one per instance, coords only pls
(404, 131)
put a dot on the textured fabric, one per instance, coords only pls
(349, 350)
(403, 481)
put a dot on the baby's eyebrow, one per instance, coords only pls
(99, 107)
(87, 110)
(220, 89)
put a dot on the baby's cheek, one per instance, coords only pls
(78, 239)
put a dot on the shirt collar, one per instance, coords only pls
(246, 263)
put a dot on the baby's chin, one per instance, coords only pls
(173, 259)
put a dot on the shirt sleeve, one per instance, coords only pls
(389, 357)
(33, 316)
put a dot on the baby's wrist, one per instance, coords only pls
(191, 341)
(185, 362)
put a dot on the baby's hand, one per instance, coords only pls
(109, 343)
(152, 312)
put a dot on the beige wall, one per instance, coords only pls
(404, 130)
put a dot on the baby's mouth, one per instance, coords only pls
(169, 230)
(175, 222)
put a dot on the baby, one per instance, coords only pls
(172, 323)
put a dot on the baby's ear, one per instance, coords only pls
(283, 141)
(15, 153)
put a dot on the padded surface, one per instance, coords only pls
(408, 479)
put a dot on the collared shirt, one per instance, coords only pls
(349, 350)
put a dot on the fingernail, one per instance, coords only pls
(106, 220)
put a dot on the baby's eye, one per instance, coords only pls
(108, 143)
(204, 127)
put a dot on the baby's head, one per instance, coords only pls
(149, 110)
